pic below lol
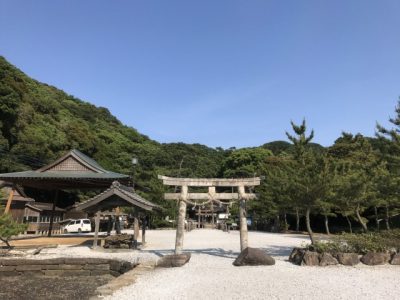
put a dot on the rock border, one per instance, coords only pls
(69, 266)
(304, 257)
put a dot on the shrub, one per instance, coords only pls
(9, 228)
(385, 241)
(157, 223)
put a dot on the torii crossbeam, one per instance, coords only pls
(185, 197)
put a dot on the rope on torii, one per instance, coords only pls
(184, 198)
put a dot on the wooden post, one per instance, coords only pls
(144, 223)
(212, 214)
(180, 229)
(243, 219)
(199, 218)
(227, 215)
(136, 228)
(10, 198)
(96, 229)
(55, 200)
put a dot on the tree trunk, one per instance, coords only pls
(359, 219)
(376, 218)
(387, 217)
(285, 220)
(276, 224)
(349, 222)
(309, 230)
(327, 224)
(297, 220)
(6, 242)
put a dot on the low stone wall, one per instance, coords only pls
(64, 267)
(304, 257)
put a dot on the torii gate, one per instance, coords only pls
(185, 197)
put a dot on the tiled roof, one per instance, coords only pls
(43, 206)
(125, 193)
(74, 165)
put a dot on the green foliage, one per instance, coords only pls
(9, 228)
(159, 223)
(385, 241)
(39, 123)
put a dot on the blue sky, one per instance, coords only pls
(221, 73)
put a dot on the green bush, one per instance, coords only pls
(385, 241)
(9, 228)
(159, 223)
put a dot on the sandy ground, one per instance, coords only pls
(211, 275)
(57, 240)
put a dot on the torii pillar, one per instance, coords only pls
(184, 197)
(244, 241)
(180, 229)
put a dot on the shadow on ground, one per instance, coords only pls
(272, 250)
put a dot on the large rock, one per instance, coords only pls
(296, 256)
(375, 258)
(310, 258)
(253, 257)
(395, 259)
(326, 259)
(120, 241)
(348, 259)
(173, 260)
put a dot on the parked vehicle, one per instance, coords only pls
(80, 225)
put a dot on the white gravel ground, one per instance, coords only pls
(211, 275)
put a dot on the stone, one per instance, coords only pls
(67, 272)
(49, 261)
(395, 260)
(326, 259)
(121, 266)
(97, 267)
(50, 267)
(99, 272)
(53, 272)
(33, 273)
(310, 258)
(76, 273)
(173, 260)
(120, 241)
(71, 267)
(114, 273)
(254, 257)
(125, 267)
(13, 262)
(18, 262)
(297, 255)
(7, 268)
(375, 258)
(29, 268)
(10, 273)
(348, 259)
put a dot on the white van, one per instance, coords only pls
(80, 225)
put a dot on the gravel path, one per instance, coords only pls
(211, 275)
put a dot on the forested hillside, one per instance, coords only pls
(38, 123)
(351, 185)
